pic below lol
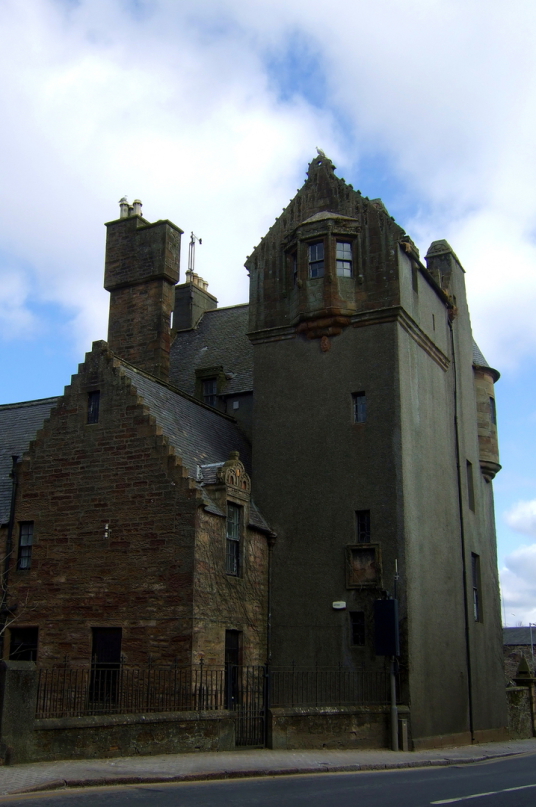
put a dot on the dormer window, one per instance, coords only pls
(344, 259)
(316, 259)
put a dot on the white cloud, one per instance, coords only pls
(518, 586)
(16, 321)
(522, 518)
(180, 105)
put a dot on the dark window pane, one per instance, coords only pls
(357, 626)
(232, 561)
(93, 401)
(360, 407)
(316, 259)
(23, 644)
(210, 391)
(363, 526)
(492, 411)
(24, 560)
(470, 486)
(344, 259)
(475, 574)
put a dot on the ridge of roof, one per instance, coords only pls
(34, 402)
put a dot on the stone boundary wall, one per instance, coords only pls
(519, 712)
(330, 727)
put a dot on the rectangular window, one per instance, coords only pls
(232, 565)
(492, 411)
(294, 259)
(470, 486)
(344, 259)
(316, 259)
(24, 560)
(363, 526)
(210, 391)
(363, 566)
(359, 400)
(23, 644)
(475, 573)
(357, 628)
(93, 401)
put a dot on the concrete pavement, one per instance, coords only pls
(235, 764)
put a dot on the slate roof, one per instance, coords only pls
(478, 357)
(480, 361)
(218, 340)
(514, 636)
(19, 423)
(199, 434)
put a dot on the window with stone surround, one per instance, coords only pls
(210, 391)
(316, 259)
(24, 560)
(475, 574)
(470, 486)
(93, 404)
(23, 644)
(357, 628)
(362, 518)
(344, 259)
(492, 411)
(359, 401)
(234, 524)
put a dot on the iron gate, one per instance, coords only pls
(246, 690)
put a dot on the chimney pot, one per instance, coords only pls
(123, 208)
(136, 206)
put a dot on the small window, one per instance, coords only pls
(316, 259)
(360, 407)
(294, 259)
(24, 560)
(23, 644)
(357, 628)
(344, 259)
(232, 565)
(475, 573)
(93, 402)
(415, 278)
(363, 526)
(492, 411)
(210, 391)
(470, 486)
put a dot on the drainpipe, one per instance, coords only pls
(462, 543)
(9, 550)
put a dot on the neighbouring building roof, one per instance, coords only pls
(515, 636)
(19, 423)
(220, 339)
(199, 434)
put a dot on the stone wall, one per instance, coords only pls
(519, 712)
(115, 524)
(330, 727)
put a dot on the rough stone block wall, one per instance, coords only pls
(519, 712)
(512, 657)
(224, 602)
(114, 527)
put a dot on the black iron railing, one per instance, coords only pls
(118, 689)
(327, 686)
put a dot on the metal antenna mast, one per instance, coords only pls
(191, 251)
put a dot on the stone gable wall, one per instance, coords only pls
(135, 573)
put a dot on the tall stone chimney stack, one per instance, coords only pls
(141, 270)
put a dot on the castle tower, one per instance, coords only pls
(366, 457)
(141, 270)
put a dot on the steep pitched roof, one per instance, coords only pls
(480, 361)
(218, 340)
(19, 423)
(199, 434)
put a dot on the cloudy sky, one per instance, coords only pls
(210, 110)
